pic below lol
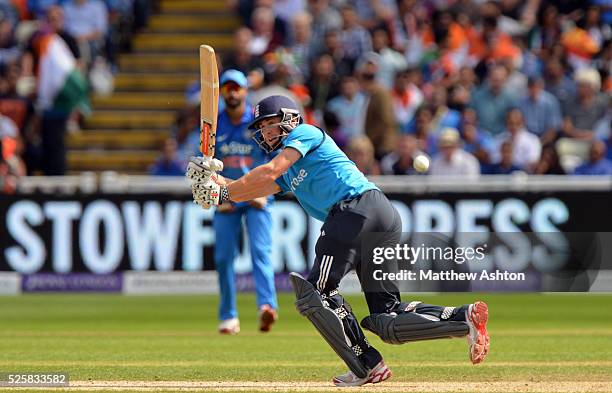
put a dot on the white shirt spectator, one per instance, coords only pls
(461, 163)
(390, 62)
(526, 148)
(87, 17)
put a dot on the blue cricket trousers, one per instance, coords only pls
(228, 227)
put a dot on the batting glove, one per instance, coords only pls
(202, 169)
(209, 194)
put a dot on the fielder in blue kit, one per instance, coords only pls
(354, 211)
(239, 154)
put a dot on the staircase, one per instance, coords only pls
(126, 129)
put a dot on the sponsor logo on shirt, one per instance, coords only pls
(296, 181)
(235, 148)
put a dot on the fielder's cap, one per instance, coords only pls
(448, 137)
(234, 76)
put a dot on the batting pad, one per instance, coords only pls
(328, 324)
(410, 326)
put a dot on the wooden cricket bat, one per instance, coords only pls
(209, 100)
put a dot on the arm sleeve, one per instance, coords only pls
(303, 139)
(282, 184)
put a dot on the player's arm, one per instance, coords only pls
(261, 181)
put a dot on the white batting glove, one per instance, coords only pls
(209, 194)
(202, 169)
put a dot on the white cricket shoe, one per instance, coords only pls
(379, 373)
(476, 317)
(229, 326)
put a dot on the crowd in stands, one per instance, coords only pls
(49, 52)
(481, 87)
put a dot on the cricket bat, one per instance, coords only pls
(209, 100)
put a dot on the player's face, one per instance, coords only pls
(269, 130)
(233, 94)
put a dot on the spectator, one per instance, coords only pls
(400, 162)
(12, 104)
(505, 166)
(582, 112)
(443, 116)
(372, 14)
(301, 45)
(11, 147)
(526, 146)
(558, 83)
(349, 107)
(323, 84)
(549, 162)
(549, 29)
(598, 31)
(186, 132)
(61, 89)
(423, 129)
(391, 61)
(241, 59)
(407, 98)
(516, 83)
(168, 164)
(598, 163)
(287, 10)
(56, 21)
(380, 125)
(38, 8)
(325, 18)
(541, 111)
(9, 50)
(278, 84)
(87, 21)
(8, 179)
(476, 142)
(452, 159)
(361, 151)
(491, 101)
(333, 47)
(265, 37)
(582, 42)
(356, 40)
(334, 129)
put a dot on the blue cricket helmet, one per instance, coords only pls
(272, 106)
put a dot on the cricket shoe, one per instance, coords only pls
(379, 373)
(267, 316)
(229, 326)
(478, 337)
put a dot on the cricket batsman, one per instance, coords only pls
(331, 189)
(239, 154)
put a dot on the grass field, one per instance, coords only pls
(549, 343)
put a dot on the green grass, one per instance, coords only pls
(108, 337)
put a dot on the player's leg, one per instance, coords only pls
(227, 230)
(259, 227)
(416, 321)
(397, 322)
(332, 316)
